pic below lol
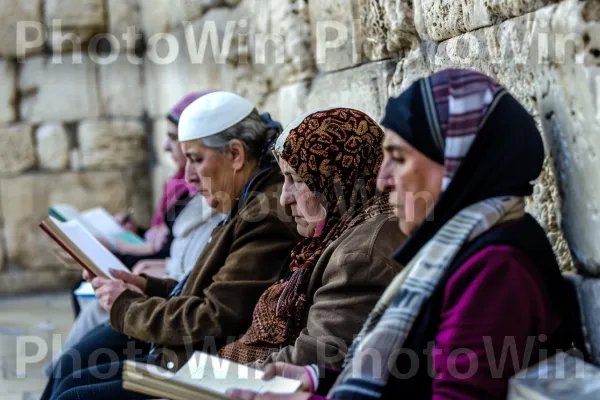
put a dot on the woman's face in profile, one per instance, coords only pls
(212, 173)
(307, 211)
(413, 180)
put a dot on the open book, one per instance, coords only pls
(203, 377)
(80, 244)
(97, 221)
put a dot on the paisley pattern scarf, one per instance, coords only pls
(337, 153)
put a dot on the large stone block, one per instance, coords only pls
(75, 13)
(190, 10)
(20, 13)
(112, 144)
(139, 193)
(123, 14)
(279, 40)
(27, 282)
(158, 16)
(7, 91)
(54, 91)
(189, 67)
(121, 91)
(73, 23)
(587, 291)
(568, 86)
(17, 152)
(444, 19)
(53, 147)
(346, 33)
(364, 88)
(25, 201)
(287, 103)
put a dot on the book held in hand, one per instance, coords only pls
(82, 246)
(203, 377)
(97, 221)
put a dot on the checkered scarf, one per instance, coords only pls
(456, 103)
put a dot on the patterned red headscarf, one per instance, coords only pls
(337, 153)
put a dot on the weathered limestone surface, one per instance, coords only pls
(588, 296)
(7, 91)
(78, 20)
(443, 19)
(75, 13)
(110, 145)
(11, 13)
(27, 282)
(287, 103)
(53, 147)
(347, 33)
(158, 16)
(58, 92)
(568, 83)
(337, 36)
(121, 91)
(364, 88)
(388, 27)
(279, 40)
(25, 201)
(138, 182)
(191, 67)
(17, 152)
(123, 14)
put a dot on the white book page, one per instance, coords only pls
(218, 375)
(99, 222)
(91, 247)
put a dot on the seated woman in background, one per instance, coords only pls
(481, 277)
(159, 237)
(329, 160)
(176, 190)
(226, 143)
(192, 221)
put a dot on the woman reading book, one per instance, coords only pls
(226, 143)
(191, 222)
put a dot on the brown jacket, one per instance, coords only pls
(344, 286)
(243, 258)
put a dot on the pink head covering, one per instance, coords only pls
(176, 188)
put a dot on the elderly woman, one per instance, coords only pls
(329, 160)
(225, 141)
(190, 222)
(481, 281)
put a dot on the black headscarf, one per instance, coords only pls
(506, 155)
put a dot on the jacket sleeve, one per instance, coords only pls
(254, 262)
(351, 285)
(494, 309)
(157, 287)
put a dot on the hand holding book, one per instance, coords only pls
(108, 290)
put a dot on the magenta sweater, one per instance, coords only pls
(495, 300)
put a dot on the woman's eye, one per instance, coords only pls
(399, 159)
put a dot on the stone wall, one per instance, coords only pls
(72, 128)
(359, 52)
(86, 125)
